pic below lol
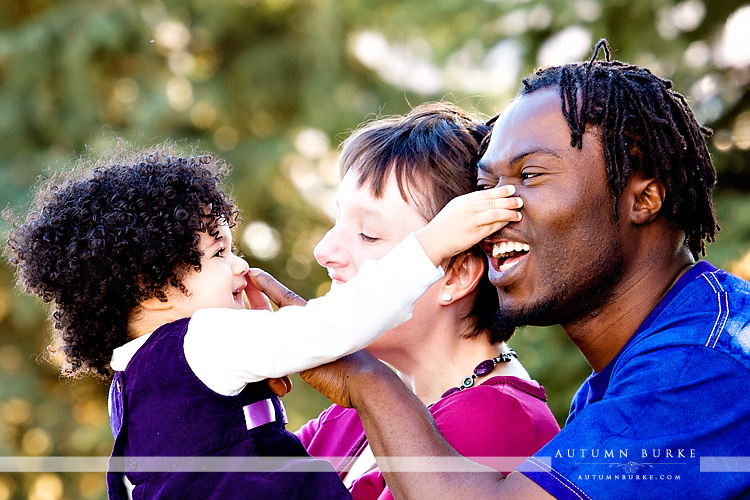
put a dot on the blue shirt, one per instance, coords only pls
(669, 416)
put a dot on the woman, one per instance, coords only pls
(397, 173)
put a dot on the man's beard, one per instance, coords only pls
(505, 321)
(565, 304)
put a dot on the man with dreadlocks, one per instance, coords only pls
(616, 184)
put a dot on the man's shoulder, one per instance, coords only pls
(711, 310)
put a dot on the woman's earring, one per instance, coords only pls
(446, 297)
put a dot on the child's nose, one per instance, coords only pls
(239, 265)
(329, 250)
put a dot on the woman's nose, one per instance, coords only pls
(328, 252)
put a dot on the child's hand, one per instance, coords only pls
(468, 219)
(280, 386)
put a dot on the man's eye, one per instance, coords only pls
(529, 175)
(482, 187)
(368, 239)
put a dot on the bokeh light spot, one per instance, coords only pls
(16, 411)
(298, 266)
(226, 138)
(741, 131)
(7, 488)
(171, 35)
(262, 124)
(569, 45)
(10, 359)
(312, 143)
(203, 115)
(46, 487)
(734, 47)
(179, 93)
(125, 90)
(36, 442)
(722, 140)
(92, 485)
(263, 241)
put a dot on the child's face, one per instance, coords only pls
(220, 281)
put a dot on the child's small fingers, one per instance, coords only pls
(280, 386)
(502, 215)
(494, 227)
(504, 203)
(496, 192)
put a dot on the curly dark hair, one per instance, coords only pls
(105, 235)
(646, 127)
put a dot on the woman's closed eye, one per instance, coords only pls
(368, 239)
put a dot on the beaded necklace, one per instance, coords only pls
(482, 369)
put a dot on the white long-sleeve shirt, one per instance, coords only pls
(228, 349)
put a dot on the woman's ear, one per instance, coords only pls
(644, 198)
(462, 277)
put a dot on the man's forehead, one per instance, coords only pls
(532, 123)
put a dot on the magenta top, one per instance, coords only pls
(502, 417)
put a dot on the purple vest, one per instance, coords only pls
(159, 408)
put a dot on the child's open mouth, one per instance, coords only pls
(237, 296)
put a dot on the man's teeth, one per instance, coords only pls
(505, 267)
(503, 248)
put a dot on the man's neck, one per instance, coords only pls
(602, 333)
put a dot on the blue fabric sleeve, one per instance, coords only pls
(663, 411)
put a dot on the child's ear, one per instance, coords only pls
(462, 277)
(154, 304)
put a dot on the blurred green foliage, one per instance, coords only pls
(273, 86)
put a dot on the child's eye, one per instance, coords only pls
(219, 252)
(368, 239)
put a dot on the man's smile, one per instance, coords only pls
(504, 253)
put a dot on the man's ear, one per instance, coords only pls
(462, 277)
(645, 198)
